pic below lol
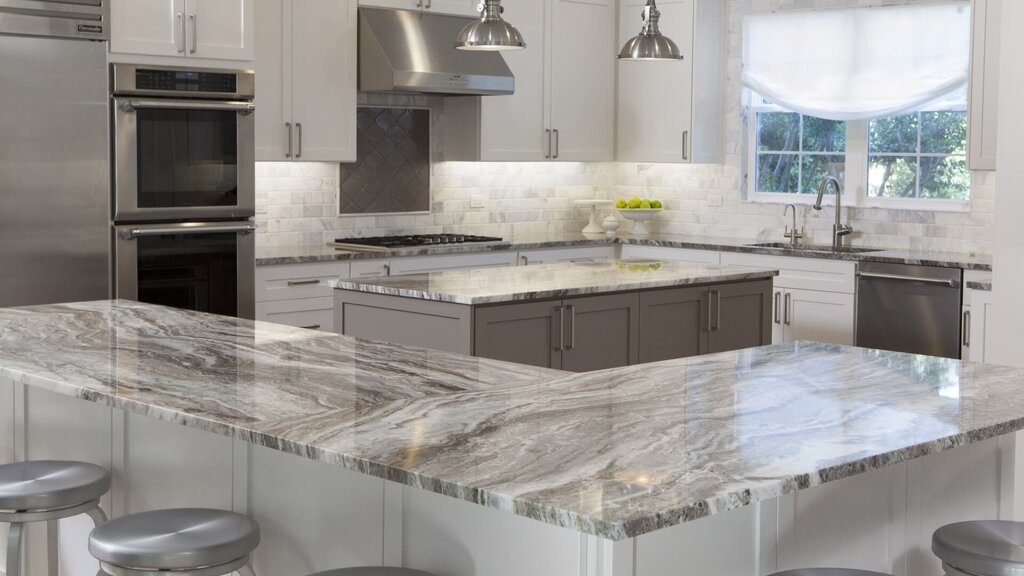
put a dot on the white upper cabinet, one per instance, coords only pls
(455, 7)
(210, 29)
(306, 80)
(563, 108)
(984, 99)
(673, 111)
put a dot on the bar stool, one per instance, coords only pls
(981, 548)
(828, 572)
(374, 571)
(176, 542)
(46, 491)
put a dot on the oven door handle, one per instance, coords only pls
(172, 231)
(241, 107)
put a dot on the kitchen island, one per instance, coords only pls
(351, 451)
(576, 316)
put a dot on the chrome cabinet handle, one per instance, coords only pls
(298, 128)
(572, 327)
(181, 32)
(171, 231)
(778, 307)
(429, 3)
(195, 33)
(303, 282)
(288, 126)
(877, 276)
(558, 142)
(419, 4)
(548, 153)
(387, 267)
(967, 328)
(311, 327)
(686, 144)
(718, 309)
(525, 259)
(561, 328)
(789, 312)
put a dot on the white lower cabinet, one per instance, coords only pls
(977, 325)
(813, 315)
(311, 313)
(298, 294)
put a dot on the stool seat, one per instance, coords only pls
(176, 539)
(982, 547)
(828, 572)
(374, 571)
(50, 484)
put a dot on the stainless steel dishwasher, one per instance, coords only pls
(906, 308)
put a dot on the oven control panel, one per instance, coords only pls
(185, 81)
(134, 79)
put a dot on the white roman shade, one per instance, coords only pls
(856, 64)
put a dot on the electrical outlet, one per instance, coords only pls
(477, 201)
(715, 201)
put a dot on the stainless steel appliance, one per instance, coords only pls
(54, 153)
(407, 51)
(383, 243)
(908, 308)
(184, 188)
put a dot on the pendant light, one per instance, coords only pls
(490, 32)
(649, 44)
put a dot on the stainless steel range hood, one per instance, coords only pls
(404, 51)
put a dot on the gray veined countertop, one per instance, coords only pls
(616, 453)
(269, 256)
(543, 281)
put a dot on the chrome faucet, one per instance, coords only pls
(838, 229)
(793, 235)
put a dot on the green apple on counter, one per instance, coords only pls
(638, 204)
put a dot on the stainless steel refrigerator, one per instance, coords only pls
(55, 243)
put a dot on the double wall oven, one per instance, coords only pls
(184, 188)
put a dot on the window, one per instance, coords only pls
(910, 160)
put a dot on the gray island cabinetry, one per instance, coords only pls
(572, 316)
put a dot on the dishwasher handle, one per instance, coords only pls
(901, 278)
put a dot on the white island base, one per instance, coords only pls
(315, 516)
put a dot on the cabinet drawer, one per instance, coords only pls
(370, 268)
(297, 281)
(312, 313)
(584, 254)
(424, 264)
(801, 273)
(674, 254)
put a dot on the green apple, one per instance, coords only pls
(633, 203)
(620, 204)
(645, 204)
(656, 204)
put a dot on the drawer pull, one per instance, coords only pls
(311, 327)
(303, 282)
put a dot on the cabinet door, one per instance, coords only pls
(984, 87)
(457, 7)
(977, 333)
(152, 27)
(531, 333)
(324, 80)
(582, 79)
(656, 98)
(673, 323)
(818, 316)
(740, 316)
(601, 332)
(221, 29)
(512, 127)
(274, 81)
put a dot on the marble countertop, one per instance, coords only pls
(615, 453)
(556, 280)
(268, 256)
(983, 286)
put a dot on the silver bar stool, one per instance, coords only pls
(176, 542)
(46, 491)
(828, 572)
(981, 548)
(374, 571)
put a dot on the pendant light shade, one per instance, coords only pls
(490, 32)
(649, 44)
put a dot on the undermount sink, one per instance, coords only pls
(813, 248)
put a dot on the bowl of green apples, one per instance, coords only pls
(639, 211)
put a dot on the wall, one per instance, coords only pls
(527, 198)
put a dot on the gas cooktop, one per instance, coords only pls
(383, 243)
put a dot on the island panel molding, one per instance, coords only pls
(616, 453)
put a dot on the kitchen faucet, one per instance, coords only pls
(838, 229)
(793, 235)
